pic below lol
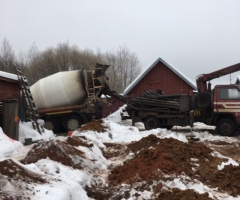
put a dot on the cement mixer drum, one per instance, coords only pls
(60, 89)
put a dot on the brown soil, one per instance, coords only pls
(114, 150)
(15, 171)
(95, 125)
(12, 173)
(176, 194)
(55, 150)
(170, 156)
(166, 156)
(151, 161)
(79, 141)
(227, 180)
(227, 149)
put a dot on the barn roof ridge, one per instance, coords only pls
(8, 75)
(144, 72)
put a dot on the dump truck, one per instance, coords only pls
(218, 107)
(68, 99)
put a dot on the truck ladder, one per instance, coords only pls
(30, 103)
(90, 85)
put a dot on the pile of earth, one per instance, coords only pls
(60, 151)
(157, 160)
(148, 164)
(95, 125)
(13, 175)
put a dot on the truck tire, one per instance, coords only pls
(73, 123)
(226, 127)
(151, 122)
(203, 100)
(52, 124)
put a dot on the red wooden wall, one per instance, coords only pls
(9, 89)
(160, 77)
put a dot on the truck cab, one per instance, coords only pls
(226, 108)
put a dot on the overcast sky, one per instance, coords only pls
(195, 36)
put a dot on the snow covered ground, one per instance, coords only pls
(48, 178)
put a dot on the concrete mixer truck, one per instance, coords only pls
(68, 99)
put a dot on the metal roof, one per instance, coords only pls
(176, 71)
(8, 75)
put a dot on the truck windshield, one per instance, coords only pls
(229, 93)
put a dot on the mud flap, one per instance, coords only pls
(191, 120)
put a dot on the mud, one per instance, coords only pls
(176, 194)
(15, 171)
(55, 150)
(79, 141)
(227, 149)
(114, 150)
(149, 163)
(155, 157)
(14, 175)
(95, 125)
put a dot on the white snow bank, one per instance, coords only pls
(7, 145)
(70, 184)
(116, 117)
(26, 131)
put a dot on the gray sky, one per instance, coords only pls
(195, 36)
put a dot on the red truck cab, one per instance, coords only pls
(226, 108)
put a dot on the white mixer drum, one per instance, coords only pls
(60, 89)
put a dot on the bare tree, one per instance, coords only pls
(124, 68)
(7, 57)
(113, 72)
(124, 65)
(61, 58)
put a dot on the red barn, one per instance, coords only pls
(160, 76)
(9, 104)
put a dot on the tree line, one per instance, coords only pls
(35, 64)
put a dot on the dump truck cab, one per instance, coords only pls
(226, 108)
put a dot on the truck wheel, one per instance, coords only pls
(203, 100)
(52, 124)
(73, 123)
(151, 122)
(226, 127)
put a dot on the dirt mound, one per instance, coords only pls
(79, 141)
(95, 125)
(219, 142)
(15, 171)
(227, 149)
(177, 194)
(114, 150)
(55, 150)
(154, 158)
(168, 156)
(16, 181)
(148, 164)
(145, 143)
(227, 179)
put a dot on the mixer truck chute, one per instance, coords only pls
(68, 99)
